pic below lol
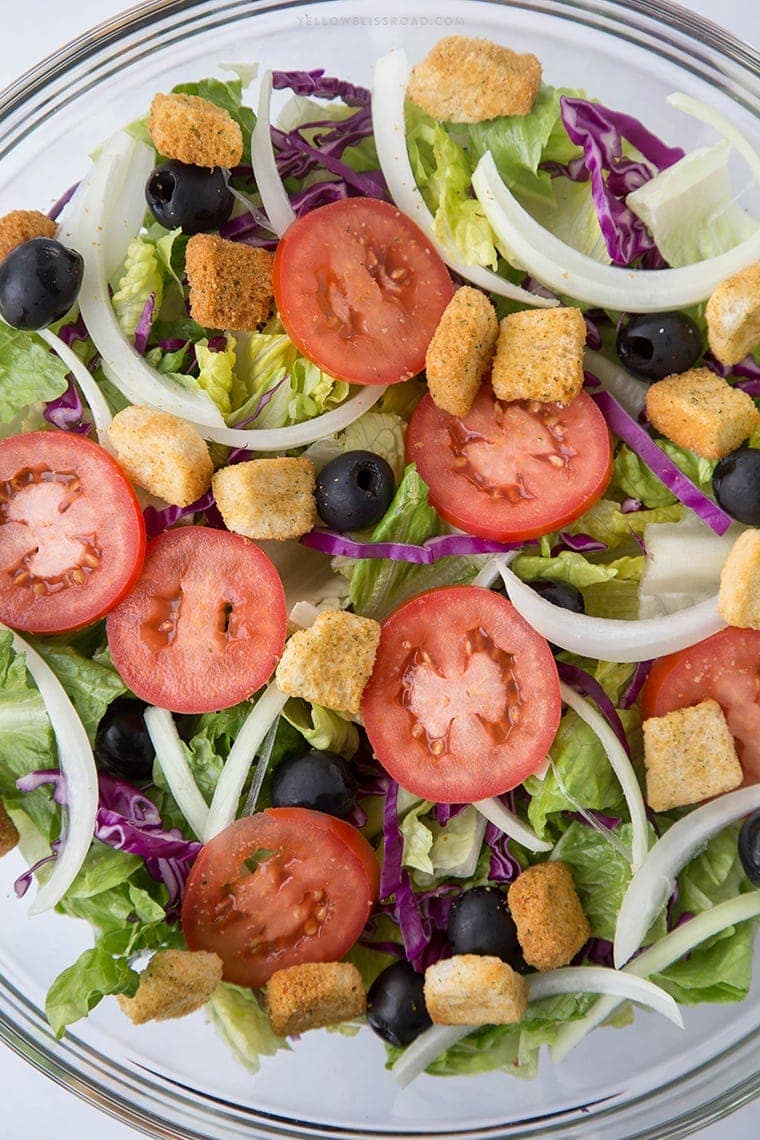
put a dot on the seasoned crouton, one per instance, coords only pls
(739, 596)
(699, 410)
(551, 925)
(689, 755)
(474, 989)
(195, 131)
(330, 663)
(23, 225)
(313, 995)
(539, 356)
(461, 350)
(733, 315)
(468, 80)
(230, 283)
(8, 832)
(162, 453)
(173, 984)
(267, 498)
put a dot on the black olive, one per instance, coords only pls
(122, 744)
(354, 490)
(39, 282)
(736, 483)
(655, 345)
(559, 594)
(318, 780)
(749, 847)
(480, 923)
(396, 1004)
(189, 197)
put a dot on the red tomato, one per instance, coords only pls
(464, 701)
(360, 290)
(511, 471)
(286, 886)
(72, 536)
(204, 626)
(723, 668)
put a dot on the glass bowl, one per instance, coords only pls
(177, 1079)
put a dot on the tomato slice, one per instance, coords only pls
(723, 668)
(360, 290)
(72, 536)
(205, 624)
(511, 471)
(464, 700)
(285, 886)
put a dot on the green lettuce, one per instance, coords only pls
(26, 740)
(29, 372)
(634, 479)
(240, 1021)
(572, 217)
(718, 972)
(91, 683)
(141, 276)
(324, 729)
(216, 373)
(606, 522)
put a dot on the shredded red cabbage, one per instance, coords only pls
(296, 158)
(590, 381)
(156, 522)
(393, 844)
(442, 813)
(67, 411)
(630, 506)
(579, 543)
(599, 951)
(747, 369)
(145, 324)
(632, 433)
(503, 867)
(73, 331)
(55, 210)
(443, 546)
(316, 85)
(588, 686)
(24, 882)
(635, 685)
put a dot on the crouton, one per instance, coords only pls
(468, 80)
(162, 453)
(8, 832)
(739, 595)
(330, 663)
(474, 989)
(313, 995)
(173, 984)
(539, 356)
(689, 756)
(551, 925)
(461, 350)
(267, 498)
(699, 410)
(230, 283)
(733, 315)
(23, 225)
(195, 131)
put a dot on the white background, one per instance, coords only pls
(33, 1107)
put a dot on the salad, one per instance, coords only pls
(379, 548)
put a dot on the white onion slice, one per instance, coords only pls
(120, 171)
(506, 821)
(613, 639)
(488, 573)
(424, 1050)
(274, 197)
(657, 958)
(262, 766)
(568, 271)
(620, 765)
(170, 754)
(388, 94)
(303, 615)
(603, 980)
(96, 401)
(626, 389)
(650, 888)
(77, 766)
(224, 804)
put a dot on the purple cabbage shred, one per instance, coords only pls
(56, 209)
(588, 686)
(67, 411)
(73, 331)
(145, 324)
(635, 685)
(503, 867)
(578, 543)
(156, 522)
(316, 85)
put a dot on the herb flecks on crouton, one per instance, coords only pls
(739, 595)
(313, 995)
(733, 315)
(331, 663)
(700, 411)
(539, 356)
(551, 925)
(173, 984)
(689, 755)
(22, 225)
(230, 283)
(468, 80)
(267, 498)
(474, 989)
(162, 453)
(194, 130)
(461, 350)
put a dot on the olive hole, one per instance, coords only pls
(364, 479)
(162, 187)
(644, 349)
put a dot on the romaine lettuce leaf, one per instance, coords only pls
(324, 729)
(140, 277)
(26, 739)
(29, 372)
(91, 684)
(239, 1019)
(216, 373)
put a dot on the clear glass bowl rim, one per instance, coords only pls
(160, 1108)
